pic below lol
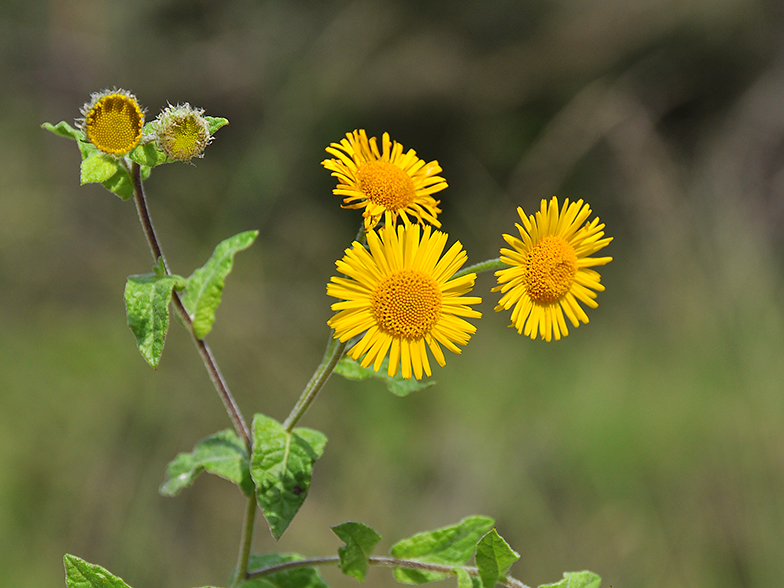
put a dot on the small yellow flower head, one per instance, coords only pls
(182, 132)
(550, 269)
(113, 121)
(386, 183)
(400, 294)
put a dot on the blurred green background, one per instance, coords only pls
(647, 446)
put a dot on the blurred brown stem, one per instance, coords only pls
(205, 353)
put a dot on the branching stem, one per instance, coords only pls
(331, 357)
(240, 425)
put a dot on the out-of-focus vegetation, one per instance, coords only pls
(647, 446)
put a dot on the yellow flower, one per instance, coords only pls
(113, 121)
(386, 183)
(399, 294)
(550, 269)
(182, 132)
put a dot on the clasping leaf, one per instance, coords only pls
(305, 577)
(281, 467)
(147, 298)
(352, 370)
(494, 558)
(452, 546)
(202, 295)
(223, 454)
(80, 574)
(584, 579)
(359, 542)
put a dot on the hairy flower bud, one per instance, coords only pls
(182, 132)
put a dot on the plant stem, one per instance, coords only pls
(381, 561)
(205, 353)
(331, 357)
(246, 542)
(484, 266)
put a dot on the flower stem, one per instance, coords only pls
(380, 561)
(484, 266)
(331, 357)
(205, 353)
(241, 573)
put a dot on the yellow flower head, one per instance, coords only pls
(113, 121)
(182, 132)
(550, 269)
(398, 292)
(386, 183)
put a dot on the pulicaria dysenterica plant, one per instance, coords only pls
(402, 296)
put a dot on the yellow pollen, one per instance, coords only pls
(386, 184)
(406, 304)
(550, 268)
(114, 124)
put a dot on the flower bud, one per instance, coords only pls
(182, 132)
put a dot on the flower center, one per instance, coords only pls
(550, 267)
(114, 124)
(386, 184)
(406, 304)
(187, 138)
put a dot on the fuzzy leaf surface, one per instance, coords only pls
(359, 542)
(63, 129)
(202, 295)
(466, 580)
(80, 574)
(222, 454)
(96, 168)
(584, 579)
(282, 467)
(148, 154)
(452, 546)
(352, 370)
(215, 122)
(494, 557)
(294, 578)
(147, 298)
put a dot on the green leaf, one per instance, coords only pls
(305, 577)
(359, 542)
(452, 546)
(147, 298)
(215, 122)
(97, 168)
(222, 454)
(352, 370)
(281, 467)
(80, 574)
(466, 580)
(148, 154)
(203, 293)
(494, 558)
(584, 579)
(63, 129)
